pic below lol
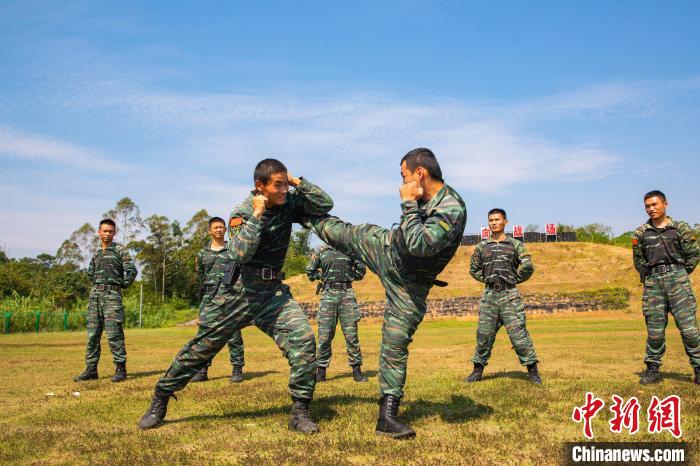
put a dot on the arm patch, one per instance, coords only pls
(445, 226)
(234, 225)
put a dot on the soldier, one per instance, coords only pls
(665, 252)
(337, 272)
(407, 261)
(111, 270)
(259, 231)
(210, 265)
(501, 263)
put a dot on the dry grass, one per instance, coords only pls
(558, 267)
(502, 420)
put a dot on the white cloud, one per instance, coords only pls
(33, 147)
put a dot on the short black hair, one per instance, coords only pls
(655, 193)
(107, 221)
(425, 158)
(214, 220)
(497, 211)
(266, 168)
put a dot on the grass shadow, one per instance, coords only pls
(459, 409)
(688, 377)
(344, 375)
(507, 375)
(247, 375)
(138, 375)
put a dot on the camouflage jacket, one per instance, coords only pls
(112, 266)
(501, 261)
(428, 235)
(331, 266)
(673, 244)
(263, 242)
(210, 265)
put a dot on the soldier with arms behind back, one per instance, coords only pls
(211, 264)
(336, 271)
(665, 253)
(111, 270)
(501, 262)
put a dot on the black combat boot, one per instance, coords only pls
(357, 374)
(156, 412)
(650, 375)
(237, 374)
(202, 375)
(119, 372)
(388, 424)
(533, 374)
(320, 374)
(90, 373)
(300, 420)
(697, 375)
(477, 374)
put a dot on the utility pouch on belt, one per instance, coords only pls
(231, 274)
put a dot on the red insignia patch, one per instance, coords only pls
(635, 241)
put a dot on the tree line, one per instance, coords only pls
(164, 251)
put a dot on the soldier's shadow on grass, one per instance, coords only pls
(506, 375)
(138, 375)
(688, 377)
(344, 375)
(247, 375)
(459, 409)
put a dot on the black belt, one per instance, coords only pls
(263, 273)
(341, 286)
(107, 287)
(664, 268)
(499, 286)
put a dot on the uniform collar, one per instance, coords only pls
(435, 200)
(212, 250)
(671, 224)
(507, 240)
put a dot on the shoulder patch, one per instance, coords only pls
(635, 241)
(234, 225)
(445, 226)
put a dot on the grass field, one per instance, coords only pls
(501, 420)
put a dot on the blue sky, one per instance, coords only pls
(555, 111)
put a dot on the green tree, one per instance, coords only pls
(127, 215)
(157, 251)
(69, 253)
(532, 228)
(87, 241)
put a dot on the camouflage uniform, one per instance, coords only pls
(502, 265)
(210, 268)
(337, 272)
(110, 271)
(407, 260)
(258, 297)
(664, 257)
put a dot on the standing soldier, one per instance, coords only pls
(259, 232)
(211, 263)
(337, 272)
(407, 261)
(501, 263)
(111, 270)
(665, 252)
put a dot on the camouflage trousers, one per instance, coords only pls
(406, 300)
(664, 293)
(338, 305)
(235, 344)
(105, 312)
(503, 308)
(267, 304)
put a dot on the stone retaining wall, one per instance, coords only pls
(469, 305)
